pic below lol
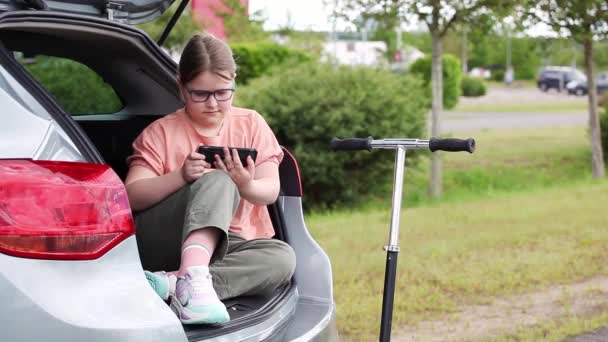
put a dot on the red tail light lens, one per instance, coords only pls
(61, 210)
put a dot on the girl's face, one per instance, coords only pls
(208, 99)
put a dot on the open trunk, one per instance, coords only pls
(143, 78)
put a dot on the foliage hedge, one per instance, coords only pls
(78, 89)
(498, 75)
(257, 59)
(472, 87)
(452, 75)
(308, 104)
(185, 27)
(93, 95)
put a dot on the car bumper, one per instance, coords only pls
(312, 321)
(107, 299)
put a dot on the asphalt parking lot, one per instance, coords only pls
(471, 121)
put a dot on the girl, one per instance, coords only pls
(207, 218)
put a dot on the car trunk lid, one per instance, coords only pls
(124, 11)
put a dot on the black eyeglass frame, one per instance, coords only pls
(209, 93)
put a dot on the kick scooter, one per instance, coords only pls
(392, 249)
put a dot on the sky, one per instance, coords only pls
(305, 14)
(313, 15)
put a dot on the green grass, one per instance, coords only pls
(505, 161)
(519, 214)
(557, 107)
(464, 252)
(515, 84)
(557, 331)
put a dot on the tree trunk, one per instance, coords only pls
(435, 187)
(597, 156)
(464, 52)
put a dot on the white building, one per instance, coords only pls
(370, 53)
(352, 52)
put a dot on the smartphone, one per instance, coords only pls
(210, 151)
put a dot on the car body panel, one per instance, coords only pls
(124, 11)
(310, 257)
(108, 299)
(305, 326)
(580, 87)
(28, 130)
(315, 315)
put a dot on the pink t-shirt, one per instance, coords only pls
(163, 146)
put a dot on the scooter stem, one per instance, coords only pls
(392, 249)
(393, 240)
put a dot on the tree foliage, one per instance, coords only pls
(59, 75)
(308, 104)
(580, 19)
(472, 87)
(452, 76)
(258, 59)
(439, 16)
(239, 25)
(584, 21)
(487, 50)
(183, 30)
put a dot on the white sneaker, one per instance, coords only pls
(162, 283)
(195, 300)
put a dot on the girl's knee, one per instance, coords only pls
(282, 262)
(218, 184)
(215, 177)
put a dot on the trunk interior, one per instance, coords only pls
(115, 147)
(143, 78)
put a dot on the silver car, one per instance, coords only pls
(70, 268)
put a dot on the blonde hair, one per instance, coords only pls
(204, 52)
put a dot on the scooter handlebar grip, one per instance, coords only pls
(351, 144)
(452, 145)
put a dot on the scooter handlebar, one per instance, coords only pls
(452, 144)
(351, 144)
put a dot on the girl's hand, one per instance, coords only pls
(241, 175)
(194, 166)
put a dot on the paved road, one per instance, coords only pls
(499, 95)
(470, 122)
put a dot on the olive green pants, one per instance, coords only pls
(238, 266)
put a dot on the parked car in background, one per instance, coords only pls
(70, 268)
(557, 77)
(480, 72)
(580, 87)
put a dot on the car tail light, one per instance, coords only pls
(61, 210)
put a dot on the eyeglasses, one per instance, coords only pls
(203, 95)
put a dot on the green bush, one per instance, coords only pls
(526, 72)
(257, 59)
(451, 77)
(472, 87)
(498, 75)
(59, 76)
(309, 104)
